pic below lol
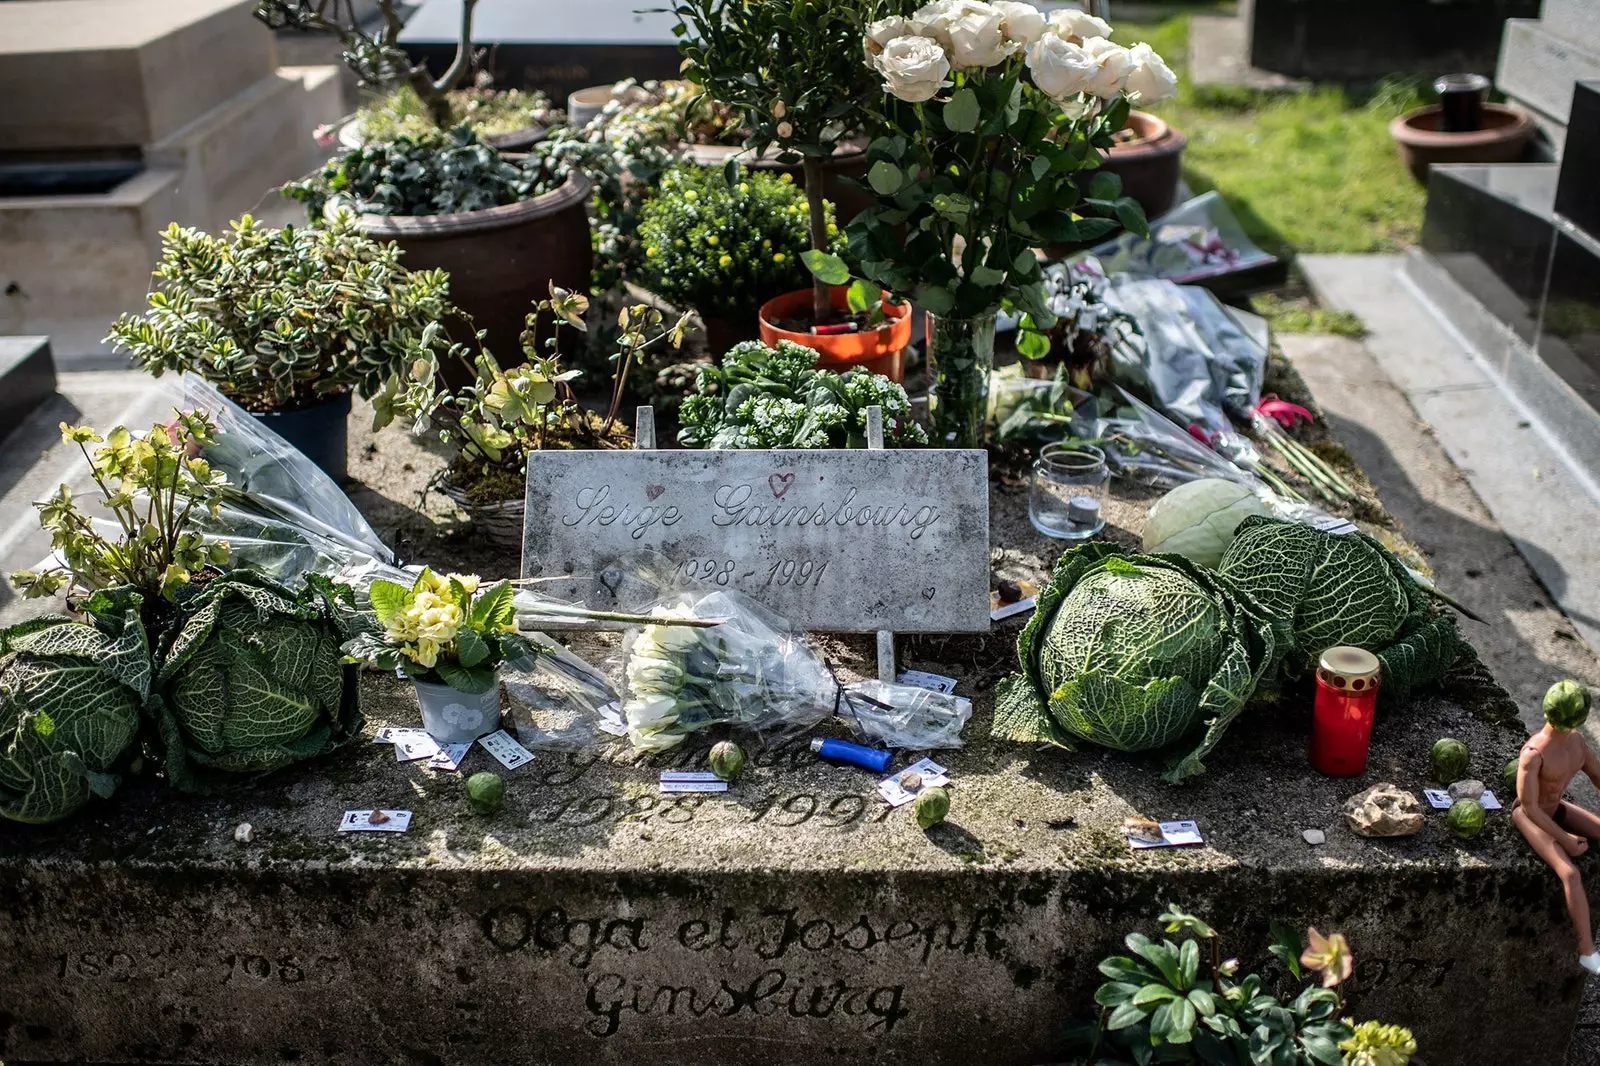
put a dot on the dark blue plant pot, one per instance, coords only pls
(320, 432)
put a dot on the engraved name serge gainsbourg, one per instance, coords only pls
(739, 505)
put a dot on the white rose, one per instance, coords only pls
(1150, 79)
(913, 68)
(883, 31)
(1114, 66)
(1060, 68)
(933, 20)
(1078, 26)
(1022, 23)
(977, 36)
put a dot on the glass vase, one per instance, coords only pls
(960, 357)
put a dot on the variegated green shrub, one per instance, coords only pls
(70, 698)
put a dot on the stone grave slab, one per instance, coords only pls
(849, 540)
(791, 920)
(1539, 67)
(99, 74)
(551, 45)
(27, 379)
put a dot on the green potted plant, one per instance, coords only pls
(502, 226)
(450, 638)
(990, 112)
(508, 415)
(763, 397)
(240, 675)
(289, 323)
(724, 249)
(795, 73)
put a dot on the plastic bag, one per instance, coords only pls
(559, 702)
(1197, 239)
(753, 674)
(1191, 357)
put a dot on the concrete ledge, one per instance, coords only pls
(793, 920)
(27, 379)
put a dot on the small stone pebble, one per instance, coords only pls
(910, 780)
(244, 832)
(1315, 836)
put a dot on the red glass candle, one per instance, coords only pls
(1341, 725)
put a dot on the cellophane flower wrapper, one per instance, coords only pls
(559, 701)
(756, 676)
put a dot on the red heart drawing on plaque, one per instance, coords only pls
(780, 484)
(654, 491)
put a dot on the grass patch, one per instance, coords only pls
(1298, 314)
(1309, 171)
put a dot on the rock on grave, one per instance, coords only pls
(1384, 810)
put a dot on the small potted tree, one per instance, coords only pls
(795, 73)
(990, 112)
(503, 225)
(289, 323)
(404, 97)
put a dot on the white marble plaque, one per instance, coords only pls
(851, 541)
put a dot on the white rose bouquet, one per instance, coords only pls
(993, 112)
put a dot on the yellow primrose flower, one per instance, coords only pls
(778, 257)
(468, 582)
(712, 240)
(725, 260)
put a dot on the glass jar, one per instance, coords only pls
(1066, 494)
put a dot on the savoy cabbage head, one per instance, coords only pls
(70, 701)
(1326, 589)
(1135, 652)
(251, 678)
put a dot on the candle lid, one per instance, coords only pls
(1083, 510)
(1349, 668)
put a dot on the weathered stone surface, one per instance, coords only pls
(27, 379)
(793, 919)
(1384, 810)
(850, 540)
(121, 73)
(1539, 68)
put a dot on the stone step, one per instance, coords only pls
(1538, 67)
(27, 379)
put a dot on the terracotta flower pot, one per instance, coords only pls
(1150, 163)
(501, 260)
(1503, 139)
(881, 350)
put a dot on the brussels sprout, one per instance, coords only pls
(486, 792)
(1510, 774)
(1467, 818)
(70, 700)
(726, 760)
(1449, 758)
(252, 678)
(931, 806)
(1566, 704)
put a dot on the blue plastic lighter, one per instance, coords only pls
(855, 754)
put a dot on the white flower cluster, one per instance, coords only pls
(1068, 53)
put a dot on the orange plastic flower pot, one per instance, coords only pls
(880, 350)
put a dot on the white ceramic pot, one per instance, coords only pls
(454, 717)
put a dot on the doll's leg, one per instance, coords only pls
(1582, 822)
(1571, 884)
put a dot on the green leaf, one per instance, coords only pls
(1040, 167)
(938, 301)
(829, 269)
(388, 600)
(1131, 215)
(470, 648)
(1124, 1016)
(1150, 995)
(987, 276)
(475, 682)
(1188, 964)
(861, 295)
(1114, 993)
(1025, 263)
(1032, 344)
(1105, 186)
(962, 112)
(1181, 1022)
(493, 609)
(885, 178)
